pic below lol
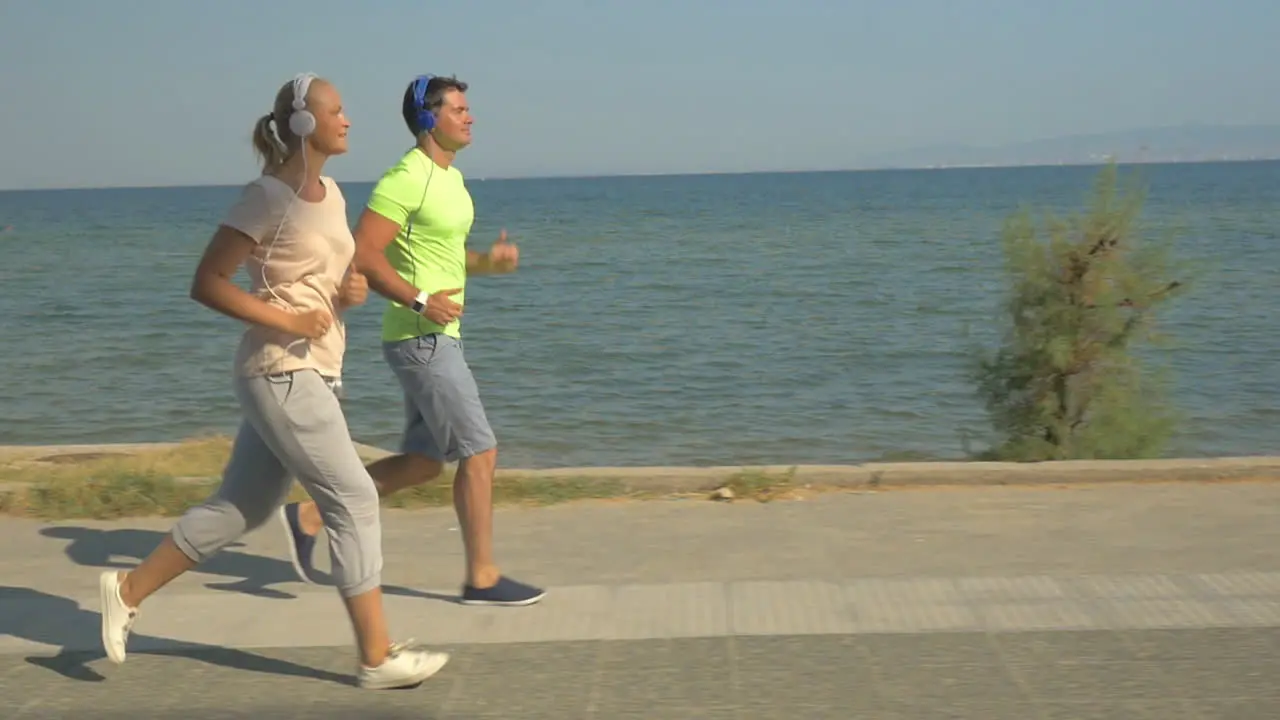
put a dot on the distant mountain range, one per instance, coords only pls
(1185, 143)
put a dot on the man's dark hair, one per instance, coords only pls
(436, 89)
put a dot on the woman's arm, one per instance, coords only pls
(214, 288)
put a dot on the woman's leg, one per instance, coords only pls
(303, 422)
(254, 483)
(303, 522)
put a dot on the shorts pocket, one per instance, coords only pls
(414, 352)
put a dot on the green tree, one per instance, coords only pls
(1066, 381)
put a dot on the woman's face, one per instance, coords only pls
(325, 103)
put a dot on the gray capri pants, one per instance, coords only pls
(293, 427)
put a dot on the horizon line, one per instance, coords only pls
(611, 176)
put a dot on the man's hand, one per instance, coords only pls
(504, 256)
(441, 309)
(354, 289)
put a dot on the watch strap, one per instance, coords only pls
(420, 302)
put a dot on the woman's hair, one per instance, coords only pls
(274, 147)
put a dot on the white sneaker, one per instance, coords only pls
(117, 618)
(403, 668)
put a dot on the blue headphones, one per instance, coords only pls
(425, 118)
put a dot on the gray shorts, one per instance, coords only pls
(444, 418)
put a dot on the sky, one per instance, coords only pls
(165, 92)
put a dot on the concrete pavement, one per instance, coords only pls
(1123, 601)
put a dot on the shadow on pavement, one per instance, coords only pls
(424, 594)
(126, 547)
(39, 617)
(254, 575)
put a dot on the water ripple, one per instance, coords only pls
(702, 320)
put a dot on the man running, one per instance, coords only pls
(411, 246)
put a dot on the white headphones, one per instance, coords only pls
(301, 122)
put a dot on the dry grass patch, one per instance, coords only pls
(165, 481)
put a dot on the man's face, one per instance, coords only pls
(453, 122)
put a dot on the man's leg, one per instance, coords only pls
(445, 422)
(473, 502)
(451, 425)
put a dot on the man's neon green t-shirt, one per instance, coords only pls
(435, 213)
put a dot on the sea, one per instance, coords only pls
(772, 318)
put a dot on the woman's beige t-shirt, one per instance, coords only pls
(304, 267)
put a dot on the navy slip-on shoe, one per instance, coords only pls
(506, 592)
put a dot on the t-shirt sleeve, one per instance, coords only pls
(396, 195)
(253, 214)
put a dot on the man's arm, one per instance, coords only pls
(478, 263)
(373, 234)
(501, 258)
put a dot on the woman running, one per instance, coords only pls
(290, 230)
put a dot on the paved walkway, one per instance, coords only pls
(1159, 601)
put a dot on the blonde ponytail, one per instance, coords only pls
(269, 149)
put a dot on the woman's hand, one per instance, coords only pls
(313, 324)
